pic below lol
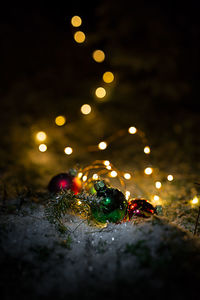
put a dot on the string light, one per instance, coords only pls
(79, 37)
(158, 184)
(41, 136)
(108, 77)
(127, 176)
(60, 120)
(79, 202)
(156, 197)
(76, 21)
(106, 162)
(68, 150)
(100, 92)
(84, 178)
(86, 109)
(127, 195)
(148, 171)
(132, 130)
(170, 177)
(108, 167)
(95, 177)
(147, 150)
(42, 147)
(195, 200)
(113, 174)
(102, 145)
(98, 56)
(80, 174)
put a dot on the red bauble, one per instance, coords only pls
(140, 207)
(64, 181)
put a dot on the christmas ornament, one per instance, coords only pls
(111, 206)
(65, 181)
(140, 207)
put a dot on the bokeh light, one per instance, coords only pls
(68, 150)
(76, 21)
(113, 174)
(100, 92)
(106, 162)
(102, 145)
(42, 147)
(156, 197)
(41, 136)
(60, 120)
(195, 200)
(132, 130)
(127, 176)
(148, 171)
(127, 195)
(108, 77)
(86, 109)
(79, 37)
(84, 178)
(98, 56)
(95, 177)
(158, 184)
(170, 177)
(147, 150)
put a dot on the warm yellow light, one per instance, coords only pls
(76, 21)
(102, 145)
(42, 147)
(148, 171)
(158, 184)
(79, 37)
(60, 120)
(79, 202)
(156, 197)
(147, 150)
(100, 92)
(84, 178)
(86, 109)
(68, 150)
(41, 136)
(127, 176)
(108, 77)
(113, 174)
(195, 200)
(80, 174)
(132, 130)
(170, 177)
(95, 177)
(98, 56)
(127, 195)
(106, 162)
(108, 167)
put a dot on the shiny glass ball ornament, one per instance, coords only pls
(140, 207)
(112, 204)
(65, 181)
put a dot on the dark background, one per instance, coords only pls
(153, 50)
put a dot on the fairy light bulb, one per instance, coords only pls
(80, 174)
(195, 200)
(79, 37)
(147, 150)
(106, 162)
(84, 178)
(95, 177)
(42, 147)
(41, 136)
(98, 56)
(127, 176)
(86, 109)
(60, 120)
(170, 177)
(148, 171)
(132, 130)
(108, 167)
(158, 184)
(102, 145)
(100, 92)
(113, 174)
(156, 197)
(79, 202)
(68, 150)
(127, 195)
(76, 21)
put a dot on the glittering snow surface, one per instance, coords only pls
(143, 258)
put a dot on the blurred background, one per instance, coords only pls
(152, 50)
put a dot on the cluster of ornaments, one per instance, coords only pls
(112, 205)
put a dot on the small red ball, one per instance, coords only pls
(64, 181)
(140, 207)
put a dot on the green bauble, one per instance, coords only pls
(112, 205)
